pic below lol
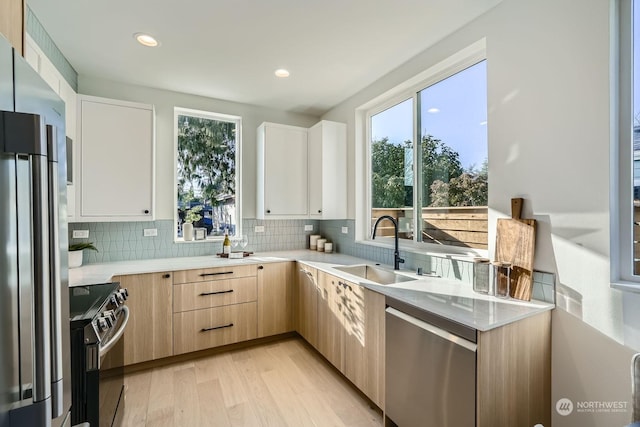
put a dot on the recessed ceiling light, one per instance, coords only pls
(281, 72)
(433, 110)
(146, 39)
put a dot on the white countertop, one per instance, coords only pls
(452, 299)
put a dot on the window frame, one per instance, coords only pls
(182, 111)
(409, 89)
(621, 159)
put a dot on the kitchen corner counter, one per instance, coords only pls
(450, 299)
(103, 272)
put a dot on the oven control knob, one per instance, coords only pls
(115, 301)
(110, 317)
(122, 295)
(102, 324)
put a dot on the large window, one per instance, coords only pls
(207, 172)
(436, 189)
(625, 206)
(635, 141)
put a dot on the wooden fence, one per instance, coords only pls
(455, 226)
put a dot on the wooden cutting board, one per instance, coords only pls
(515, 244)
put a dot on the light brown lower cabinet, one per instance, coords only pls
(351, 333)
(332, 319)
(148, 334)
(275, 298)
(12, 22)
(212, 327)
(365, 341)
(306, 298)
(514, 373)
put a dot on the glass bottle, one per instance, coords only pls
(226, 245)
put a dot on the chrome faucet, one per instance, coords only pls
(396, 253)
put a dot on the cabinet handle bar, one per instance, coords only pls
(216, 327)
(216, 293)
(215, 274)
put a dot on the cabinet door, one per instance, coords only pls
(364, 341)
(148, 334)
(328, 170)
(282, 172)
(275, 299)
(307, 304)
(315, 170)
(331, 319)
(12, 22)
(116, 160)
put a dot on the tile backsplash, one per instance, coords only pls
(122, 241)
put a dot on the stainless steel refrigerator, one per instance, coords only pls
(34, 305)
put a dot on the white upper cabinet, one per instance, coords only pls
(327, 167)
(116, 148)
(302, 173)
(281, 172)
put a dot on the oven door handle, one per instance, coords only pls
(104, 348)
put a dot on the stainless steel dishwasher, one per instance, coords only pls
(430, 370)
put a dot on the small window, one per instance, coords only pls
(436, 189)
(207, 173)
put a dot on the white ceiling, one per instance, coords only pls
(229, 49)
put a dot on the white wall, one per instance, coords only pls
(164, 102)
(549, 95)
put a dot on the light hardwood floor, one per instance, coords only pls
(282, 383)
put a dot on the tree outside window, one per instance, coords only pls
(206, 179)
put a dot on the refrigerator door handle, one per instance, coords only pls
(41, 277)
(54, 273)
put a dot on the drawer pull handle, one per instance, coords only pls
(215, 274)
(216, 327)
(204, 294)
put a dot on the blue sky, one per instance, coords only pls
(453, 110)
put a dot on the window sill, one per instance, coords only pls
(449, 252)
(216, 239)
(626, 286)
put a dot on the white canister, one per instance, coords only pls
(320, 244)
(187, 231)
(313, 241)
(328, 247)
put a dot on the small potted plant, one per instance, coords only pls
(75, 253)
(192, 215)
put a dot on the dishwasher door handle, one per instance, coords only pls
(433, 329)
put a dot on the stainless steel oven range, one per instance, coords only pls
(99, 317)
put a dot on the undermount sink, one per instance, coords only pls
(375, 274)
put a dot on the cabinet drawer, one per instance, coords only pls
(212, 327)
(216, 273)
(215, 293)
